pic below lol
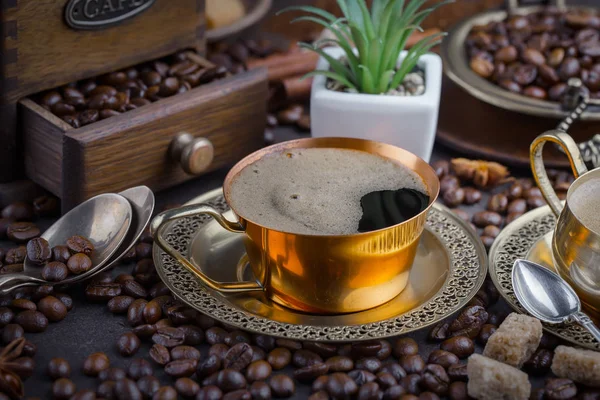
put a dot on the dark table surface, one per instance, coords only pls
(91, 327)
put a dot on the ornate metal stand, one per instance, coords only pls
(577, 98)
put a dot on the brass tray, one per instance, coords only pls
(527, 238)
(449, 269)
(456, 67)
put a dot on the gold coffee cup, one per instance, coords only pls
(575, 247)
(324, 274)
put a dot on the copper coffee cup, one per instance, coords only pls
(319, 273)
(575, 246)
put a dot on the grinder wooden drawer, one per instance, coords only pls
(133, 148)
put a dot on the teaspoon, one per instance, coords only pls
(104, 219)
(548, 297)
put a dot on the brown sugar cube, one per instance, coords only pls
(515, 340)
(491, 380)
(579, 365)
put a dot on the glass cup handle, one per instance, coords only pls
(158, 225)
(539, 170)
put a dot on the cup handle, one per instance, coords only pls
(539, 170)
(158, 225)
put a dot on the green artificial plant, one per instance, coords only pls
(372, 41)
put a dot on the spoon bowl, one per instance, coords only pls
(104, 220)
(548, 297)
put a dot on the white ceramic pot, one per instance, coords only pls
(409, 122)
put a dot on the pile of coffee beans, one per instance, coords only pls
(293, 115)
(234, 56)
(84, 102)
(506, 203)
(536, 54)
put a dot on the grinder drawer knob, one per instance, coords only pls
(193, 154)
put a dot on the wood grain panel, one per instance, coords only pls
(131, 149)
(51, 54)
(42, 141)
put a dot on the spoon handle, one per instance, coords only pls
(588, 324)
(10, 282)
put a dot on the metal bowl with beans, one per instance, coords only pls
(521, 59)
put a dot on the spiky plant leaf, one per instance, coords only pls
(367, 79)
(413, 55)
(310, 9)
(367, 23)
(332, 75)
(337, 66)
(384, 82)
(377, 9)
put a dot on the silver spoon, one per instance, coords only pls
(104, 219)
(548, 297)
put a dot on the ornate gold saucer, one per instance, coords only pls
(530, 237)
(449, 269)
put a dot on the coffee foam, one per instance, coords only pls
(583, 202)
(316, 190)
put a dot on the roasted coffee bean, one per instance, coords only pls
(6, 316)
(120, 304)
(241, 394)
(369, 391)
(65, 299)
(258, 354)
(482, 67)
(106, 390)
(259, 371)
(23, 366)
(439, 332)
(458, 372)
(160, 354)
(55, 271)
(4, 224)
(181, 315)
(260, 391)
(491, 231)
(218, 350)
(282, 386)
(458, 391)
(462, 346)
(449, 182)
(139, 368)
(22, 305)
(79, 263)
(32, 321)
(395, 370)
(411, 383)
(412, 364)
(102, 291)
(472, 196)
(159, 289)
(193, 335)
(185, 352)
(559, 389)
(540, 362)
(279, 358)
(498, 203)
(443, 358)
(470, 321)
(320, 383)
(95, 363)
(42, 291)
(63, 389)
(148, 385)
(12, 332)
(52, 308)
(238, 357)
(50, 98)
(58, 368)
(486, 331)
(126, 389)
(208, 366)
(128, 344)
(535, 202)
(80, 244)
(454, 197)
(311, 372)
(209, 392)
(517, 206)
(385, 380)
(12, 268)
(87, 117)
(362, 377)
(385, 351)
(340, 364)
(229, 380)
(18, 211)
(341, 386)
(122, 278)
(181, 368)
(21, 232)
(61, 254)
(267, 343)
(497, 318)
(303, 358)
(135, 312)
(143, 250)
(435, 379)
(370, 364)
(549, 341)
(112, 374)
(405, 347)
(187, 387)
(134, 289)
(235, 337)
(484, 218)
(15, 255)
(366, 349)
(38, 251)
(168, 336)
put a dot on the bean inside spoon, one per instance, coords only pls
(104, 219)
(548, 297)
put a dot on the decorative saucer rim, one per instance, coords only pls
(468, 261)
(515, 241)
